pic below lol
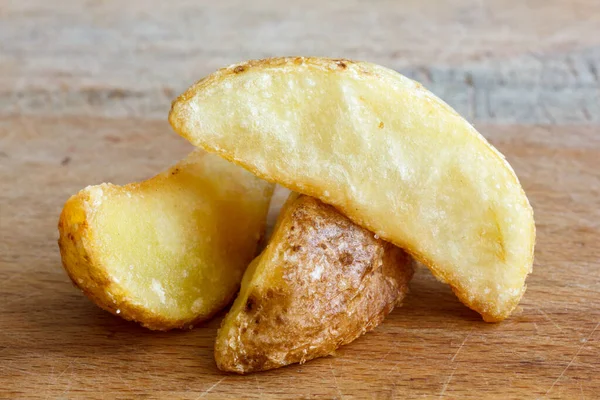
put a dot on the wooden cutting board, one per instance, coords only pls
(84, 93)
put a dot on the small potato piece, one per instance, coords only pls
(384, 151)
(168, 252)
(320, 283)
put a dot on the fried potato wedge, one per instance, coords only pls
(383, 150)
(168, 252)
(320, 283)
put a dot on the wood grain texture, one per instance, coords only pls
(84, 93)
(509, 61)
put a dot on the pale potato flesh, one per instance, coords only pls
(170, 251)
(386, 152)
(321, 282)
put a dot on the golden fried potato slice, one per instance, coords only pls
(320, 283)
(168, 252)
(383, 150)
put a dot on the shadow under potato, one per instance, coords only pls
(431, 299)
(428, 299)
(63, 321)
(60, 322)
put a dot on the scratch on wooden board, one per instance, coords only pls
(573, 358)
(337, 386)
(63, 371)
(87, 365)
(581, 390)
(17, 370)
(461, 345)
(70, 380)
(258, 387)
(446, 384)
(49, 383)
(393, 368)
(550, 319)
(381, 360)
(348, 360)
(210, 389)
(392, 380)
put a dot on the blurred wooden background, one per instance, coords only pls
(85, 88)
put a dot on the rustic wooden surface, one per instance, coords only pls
(84, 93)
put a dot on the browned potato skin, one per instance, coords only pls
(284, 316)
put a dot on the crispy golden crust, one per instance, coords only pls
(231, 113)
(89, 257)
(80, 259)
(321, 282)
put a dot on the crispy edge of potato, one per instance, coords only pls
(484, 307)
(303, 231)
(80, 260)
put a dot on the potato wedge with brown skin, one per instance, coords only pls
(386, 152)
(168, 252)
(321, 282)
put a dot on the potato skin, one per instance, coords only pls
(201, 175)
(321, 282)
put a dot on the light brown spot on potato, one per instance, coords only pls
(239, 69)
(346, 259)
(381, 125)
